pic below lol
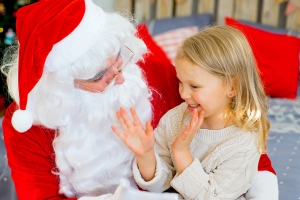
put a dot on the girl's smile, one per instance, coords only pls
(191, 107)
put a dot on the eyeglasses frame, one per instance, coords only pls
(120, 71)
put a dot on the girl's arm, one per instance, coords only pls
(164, 169)
(180, 147)
(139, 140)
(226, 173)
(152, 174)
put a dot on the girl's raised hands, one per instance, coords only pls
(138, 140)
(180, 147)
(184, 140)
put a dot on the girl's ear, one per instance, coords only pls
(232, 88)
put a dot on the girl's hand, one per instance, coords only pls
(180, 147)
(138, 140)
(183, 141)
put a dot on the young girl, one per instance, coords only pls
(209, 146)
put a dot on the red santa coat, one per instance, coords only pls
(31, 159)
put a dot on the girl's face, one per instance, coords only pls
(204, 91)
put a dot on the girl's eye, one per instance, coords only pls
(194, 86)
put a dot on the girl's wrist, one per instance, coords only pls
(146, 156)
(147, 165)
(180, 151)
(182, 159)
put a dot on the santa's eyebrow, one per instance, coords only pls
(101, 73)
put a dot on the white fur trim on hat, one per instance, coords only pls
(79, 41)
(22, 120)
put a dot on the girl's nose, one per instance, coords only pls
(183, 93)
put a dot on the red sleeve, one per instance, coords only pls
(265, 164)
(31, 159)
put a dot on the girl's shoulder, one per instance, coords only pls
(246, 139)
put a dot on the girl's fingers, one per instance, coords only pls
(201, 118)
(136, 119)
(121, 120)
(197, 119)
(194, 120)
(117, 132)
(185, 132)
(125, 117)
(149, 129)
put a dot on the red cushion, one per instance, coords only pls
(277, 57)
(160, 75)
(2, 105)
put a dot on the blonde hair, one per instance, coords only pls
(225, 52)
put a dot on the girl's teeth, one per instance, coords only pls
(194, 106)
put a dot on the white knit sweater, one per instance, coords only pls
(224, 167)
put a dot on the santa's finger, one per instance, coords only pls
(136, 119)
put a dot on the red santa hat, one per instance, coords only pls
(52, 34)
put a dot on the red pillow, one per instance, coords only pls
(160, 75)
(277, 58)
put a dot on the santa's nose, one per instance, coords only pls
(120, 79)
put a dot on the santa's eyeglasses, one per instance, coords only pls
(109, 75)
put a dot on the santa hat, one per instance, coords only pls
(52, 34)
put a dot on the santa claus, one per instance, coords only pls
(73, 68)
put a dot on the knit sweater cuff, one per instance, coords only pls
(190, 180)
(156, 184)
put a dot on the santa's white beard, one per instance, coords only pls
(90, 158)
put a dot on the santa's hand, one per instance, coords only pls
(138, 140)
(126, 192)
